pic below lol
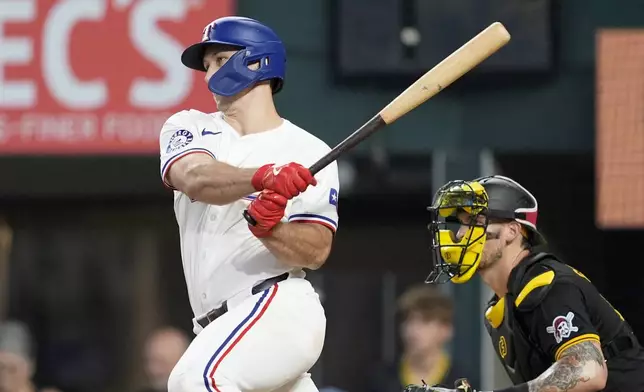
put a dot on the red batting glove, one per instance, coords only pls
(288, 180)
(267, 210)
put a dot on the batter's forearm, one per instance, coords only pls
(303, 245)
(215, 182)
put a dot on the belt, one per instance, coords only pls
(221, 310)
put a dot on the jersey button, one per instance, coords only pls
(204, 296)
(213, 217)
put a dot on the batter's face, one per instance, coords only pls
(214, 58)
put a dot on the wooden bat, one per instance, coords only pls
(461, 61)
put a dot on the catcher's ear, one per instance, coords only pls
(515, 230)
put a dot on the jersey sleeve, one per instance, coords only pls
(180, 136)
(319, 203)
(561, 320)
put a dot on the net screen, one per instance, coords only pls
(620, 128)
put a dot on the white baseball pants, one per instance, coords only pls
(268, 342)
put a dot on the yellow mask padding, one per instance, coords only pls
(471, 198)
(452, 250)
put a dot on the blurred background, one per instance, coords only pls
(92, 296)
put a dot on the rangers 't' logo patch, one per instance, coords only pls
(207, 31)
(562, 327)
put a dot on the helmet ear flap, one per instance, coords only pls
(236, 74)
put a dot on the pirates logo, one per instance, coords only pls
(562, 327)
(503, 347)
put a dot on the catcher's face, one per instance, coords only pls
(498, 236)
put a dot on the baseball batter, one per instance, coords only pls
(259, 324)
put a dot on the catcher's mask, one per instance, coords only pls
(458, 221)
(460, 215)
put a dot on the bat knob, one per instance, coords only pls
(251, 221)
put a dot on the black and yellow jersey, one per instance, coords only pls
(549, 308)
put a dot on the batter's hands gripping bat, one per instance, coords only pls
(461, 61)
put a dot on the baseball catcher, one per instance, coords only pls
(551, 328)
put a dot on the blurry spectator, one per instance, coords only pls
(163, 350)
(16, 363)
(16, 359)
(425, 331)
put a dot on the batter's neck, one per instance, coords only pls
(253, 113)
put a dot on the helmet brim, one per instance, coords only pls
(192, 57)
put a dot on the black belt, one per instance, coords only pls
(220, 311)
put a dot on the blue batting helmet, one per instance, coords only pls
(257, 43)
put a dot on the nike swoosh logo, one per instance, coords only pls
(205, 132)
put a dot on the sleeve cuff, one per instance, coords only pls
(168, 164)
(579, 339)
(314, 218)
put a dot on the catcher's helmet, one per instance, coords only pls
(509, 200)
(493, 198)
(256, 43)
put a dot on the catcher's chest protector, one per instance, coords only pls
(522, 359)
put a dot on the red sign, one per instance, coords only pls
(97, 76)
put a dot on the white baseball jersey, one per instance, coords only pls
(221, 257)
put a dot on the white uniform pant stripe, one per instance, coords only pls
(235, 336)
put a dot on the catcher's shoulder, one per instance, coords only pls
(540, 280)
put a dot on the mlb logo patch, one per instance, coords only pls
(179, 139)
(333, 197)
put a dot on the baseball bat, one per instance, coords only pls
(457, 64)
